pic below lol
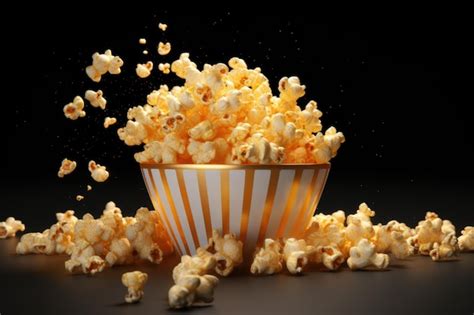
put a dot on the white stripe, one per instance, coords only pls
(178, 203)
(236, 190)
(153, 196)
(213, 180)
(259, 195)
(192, 187)
(283, 189)
(164, 201)
(317, 192)
(305, 183)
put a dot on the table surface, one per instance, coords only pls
(39, 284)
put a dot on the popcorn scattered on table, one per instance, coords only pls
(144, 70)
(227, 252)
(109, 121)
(103, 63)
(164, 48)
(142, 41)
(268, 259)
(164, 67)
(466, 240)
(296, 254)
(66, 168)
(10, 227)
(98, 172)
(228, 115)
(79, 197)
(135, 282)
(363, 255)
(162, 26)
(75, 109)
(96, 98)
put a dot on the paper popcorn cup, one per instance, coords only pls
(252, 201)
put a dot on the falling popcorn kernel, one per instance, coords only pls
(103, 63)
(98, 172)
(89, 187)
(162, 26)
(144, 70)
(79, 197)
(66, 168)
(109, 121)
(145, 52)
(75, 109)
(142, 41)
(164, 49)
(164, 67)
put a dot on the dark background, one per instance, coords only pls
(397, 85)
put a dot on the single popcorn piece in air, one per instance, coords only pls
(142, 41)
(89, 187)
(164, 48)
(10, 227)
(109, 121)
(135, 282)
(66, 168)
(164, 67)
(96, 98)
(98, 172)
(79, 197)
(75, 109)
(162, 26)
(144, 70)
(103, 63)
(145, 52)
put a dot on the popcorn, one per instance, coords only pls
(236, 106)
(144, 70)
(164, 49)
(359, 226)
(191, 289)
(268, 260)
(296, 254)
(162, 26)
(390, 238)
(103, 63)
(75, 109)
(79, 197)
(466, 240)
(10, 227)
(98, 172)
(134, 281)
(89, 187)
(109, 121)
(96, 98)
(145, 52)
(164, 67)
(227, 252)
(142, 41)
(66, 168)
(83, 259)
(364, 255)
(34, 243)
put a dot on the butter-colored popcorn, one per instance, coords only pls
(103, 63)
(145, 52)
(466, 240)
(10, 227)
(89, 187)
(144, 70)
(83, 259)
(363, 255)
(446, 249)
(66, 168)
(227, 252)
(142, 41)
(164, 67)
(109, 121)
(98, 172)
(359, 226)
(96, 98)
(79, 197)
(35, 243)
(390, 238)
(296, 254)
(164, 48)
(200, 264)
(201, 152)
(135, 282)
(268, 259)
(202, 131)
(192, 289)
(75, 109)
(162, 26)
(133, 133)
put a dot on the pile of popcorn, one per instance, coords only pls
(227, 114)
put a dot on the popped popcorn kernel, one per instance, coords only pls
(66, 168)
(164, 67)
(89, 187)
(364, 255)
(98, 172)
(109, 121)
(96, 98)
(144, 70)
(142, 41)
(145, 52)
(466, 240)
(164, 48)
(10, 227)
(79, 197)
(162, 26)
(103, 63)
(75, 109)
(134, 282)
(268, 260)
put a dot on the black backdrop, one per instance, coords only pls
(394, 85)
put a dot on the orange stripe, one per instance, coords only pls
(312, 209)
(267, 210)
(297, 228)
(289, 203)
(187, 206)
(225, 201)
(173, 209)
(247, 202)
(202, 183)
(160, 206)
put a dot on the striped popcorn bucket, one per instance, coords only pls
(252, 201)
